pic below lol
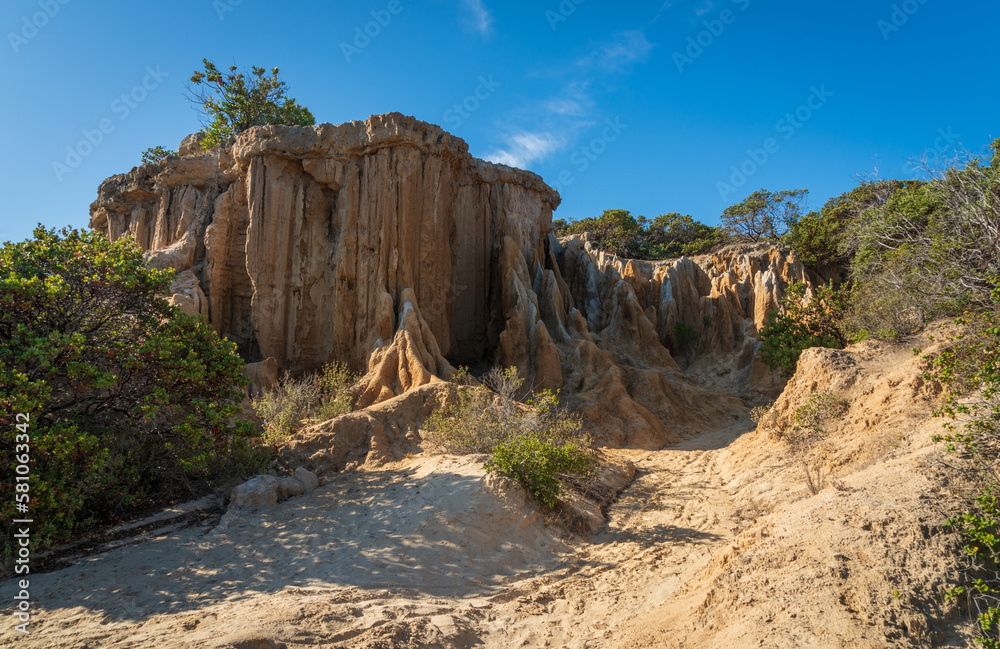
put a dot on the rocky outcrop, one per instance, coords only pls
(385, 245)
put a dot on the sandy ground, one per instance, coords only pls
(420, 553)
(718, 543)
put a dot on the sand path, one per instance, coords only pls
(419, 554)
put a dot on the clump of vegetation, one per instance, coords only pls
(539, 462)
(283, 408)
(314, 397)
(537, 443)
(236, 101)
(635, 237)
(930, 248)
(764, 215)
(156, 154)
(687, 338)
(334, 384)
(970, 369)
(128, 402)
(809, 420)
(802, 324)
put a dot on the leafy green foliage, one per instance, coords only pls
(809, 420)
(969, 367)
(538, 462)
(764, 215)
(634, 237)
(130, 401)
(933, 245)
(802, 324)
(675, 235)
(336, 398)
(536, 443)
(235, 101)
(155, 154)
(615, 231)
(822, 237)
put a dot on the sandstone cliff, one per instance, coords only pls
(386, 245)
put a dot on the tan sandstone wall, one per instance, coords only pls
(386, 245)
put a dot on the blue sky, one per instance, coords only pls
(650, 106)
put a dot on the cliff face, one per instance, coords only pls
(385, 245)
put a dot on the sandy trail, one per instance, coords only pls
(661, 532)
(419, 554)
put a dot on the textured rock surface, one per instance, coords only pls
(385, 245)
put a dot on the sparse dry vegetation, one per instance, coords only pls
(537, 443)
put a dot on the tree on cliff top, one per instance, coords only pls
(235, 101)
(764, 215)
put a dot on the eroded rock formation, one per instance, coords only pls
(384, 244)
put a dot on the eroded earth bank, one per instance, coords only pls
(385, 245)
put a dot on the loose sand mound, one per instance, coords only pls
(863, 562)
(368, 548)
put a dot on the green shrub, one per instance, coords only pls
(536, 443)
(803, 324)
(129, 402)
(874, 312)
(153, 155)
(809, 420)
(932, 243)
(235, 101)
(478, 418)
(283, 408)
(293, 403)
(538, 462)
(335, 396)
(969, 368)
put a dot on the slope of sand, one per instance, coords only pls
(717, 543)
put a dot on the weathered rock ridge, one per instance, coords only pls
(386, 245)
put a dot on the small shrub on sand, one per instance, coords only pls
(537, 443)
(283, 409)
(335, 396)
(313, 398)
(538, 462)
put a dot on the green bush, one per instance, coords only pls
(293, 403)
(675, 235)
(335, 396)
(802, 324)
(820, 238)
(153, 155)
(129, 402)
(539, 462)
(874, 312)
(283, 408)
(536, 443)
(235, 101)
(932, 243)
(969, 367)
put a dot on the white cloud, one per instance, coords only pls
(627, 47)
(666, 5)
(705, 7)
(481, 18)
(569, 107)
(524, 148)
